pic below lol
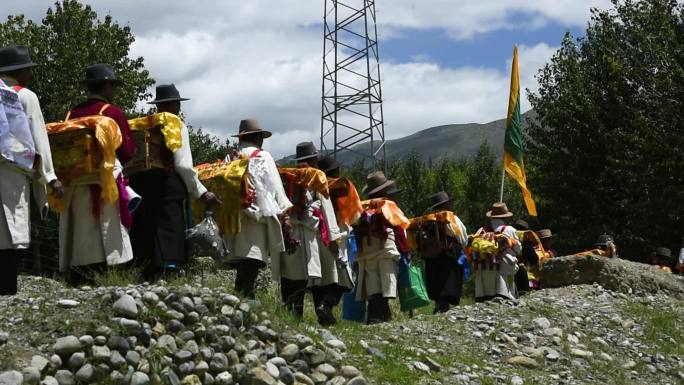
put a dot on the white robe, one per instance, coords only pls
(85, 239)
(305, 263)
(260, 237)
(15, 215)
(331, 273)
(501, 281)
(377, 266)
(182, 163)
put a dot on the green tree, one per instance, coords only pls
(207, 148)
(482, 178)
(70, 37)
(606, 146)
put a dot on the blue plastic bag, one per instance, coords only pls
(467, 269)
(353, 310)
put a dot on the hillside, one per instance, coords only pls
(451, 140)
(190, 330)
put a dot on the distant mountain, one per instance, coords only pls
(452, 140)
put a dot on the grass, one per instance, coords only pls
(662, 328)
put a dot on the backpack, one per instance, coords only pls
(16, 140)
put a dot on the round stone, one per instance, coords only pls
(289, 352)
(11, 377)
(285, 375)
(349, 371)
(224, 378)
(76, 360)
(140, 378)
(64, 377)
(66, 346)
(31, 375)
(125, 306)
(86, 373)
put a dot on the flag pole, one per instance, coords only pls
(503, 176)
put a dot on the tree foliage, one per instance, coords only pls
(70, 37)
(473, 184)
(207, 148)
(606, 147)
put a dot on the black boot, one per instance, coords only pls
(325, 298)
(292, 293)
(376, 311)
(9, 271)
(245, 281)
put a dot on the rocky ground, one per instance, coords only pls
(192, 330)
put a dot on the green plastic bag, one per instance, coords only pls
(414, 295)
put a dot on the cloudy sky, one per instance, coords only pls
(443, 61)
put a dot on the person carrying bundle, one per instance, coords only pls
(440, 237)
(336, 274)
(494, 252)
(159, 223)
(262, 217)
(94, 215)
(24, 147)
(314, 224)
(380, 240)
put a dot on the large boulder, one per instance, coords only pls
(611, 273)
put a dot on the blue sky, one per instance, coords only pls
(434, 44)
(443, 61)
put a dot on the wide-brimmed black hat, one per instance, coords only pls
(521, 225)
(376, 182)
(392, 188)
(251, 126)
(166, 93)
(100, 73)
(603, 240)
(438, 199)
(15, 57)
(327, 163)
(663, 252)
(305, 150)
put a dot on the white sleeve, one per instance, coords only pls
(279, 194)
(182, 161)
(512, 233)
(31, 105)
(462, 238)
(330, 218)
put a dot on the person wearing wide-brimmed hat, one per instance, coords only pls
(440, 239)
(606, 246)
(158, 231)
(260, 239)
(380, 245)
(546, 236)
(495, 270)
(662, 257)
(336, 274)
(91, 233)
(25, 121)
(314, 224)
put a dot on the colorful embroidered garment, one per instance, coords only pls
(229, 182)
(109, 139)
(171, 127)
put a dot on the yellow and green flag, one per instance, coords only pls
(513, 151)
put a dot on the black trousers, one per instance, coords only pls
(444, 281)
(378, 310)
(292, 293)
(8, 273)
(329, 295)
(521, 280)
(247, 273)
(159, 223)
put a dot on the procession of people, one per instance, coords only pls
(126, 203)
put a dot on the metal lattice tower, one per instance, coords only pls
(351, 108)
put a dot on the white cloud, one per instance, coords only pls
(262, 59)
